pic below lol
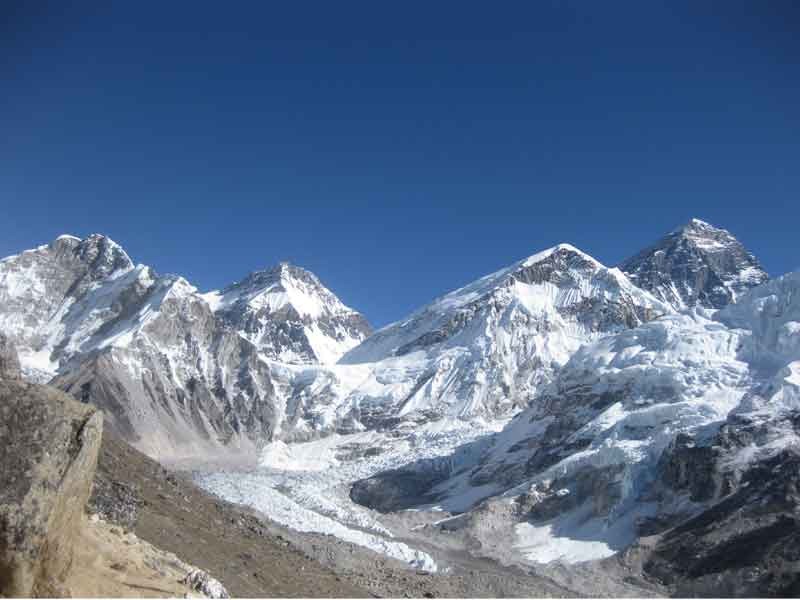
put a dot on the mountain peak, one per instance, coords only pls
(563, 250)
(103, 255)
(67, 237)
(289, 314)
(290, 271)
(698, 224)
(696, 264)
(697, 229)
(283, 277)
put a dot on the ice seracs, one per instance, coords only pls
(696, 265)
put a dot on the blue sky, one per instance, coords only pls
(398, 150)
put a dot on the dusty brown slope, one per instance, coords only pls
(170, 512)
(110, 564)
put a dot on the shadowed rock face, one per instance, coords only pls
(50, 445)
(747, 544)
(395, 490)
(696, 265)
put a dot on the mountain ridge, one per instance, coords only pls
(276, 355)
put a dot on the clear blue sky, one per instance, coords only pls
(401, 149)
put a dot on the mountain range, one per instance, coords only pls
(278, 356)
(628, 402)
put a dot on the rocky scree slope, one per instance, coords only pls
(251, 557)
(256, 557)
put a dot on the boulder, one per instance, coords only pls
(49, 445)
(202, 582)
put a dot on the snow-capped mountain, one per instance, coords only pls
(178, 372)
(696, 265)
(669, 423)
(182, 373)
(54, 298)
(290, 316)
(485, 348)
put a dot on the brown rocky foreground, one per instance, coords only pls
(49, 448)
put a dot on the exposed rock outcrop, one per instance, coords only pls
(49, 446)
(747, 544)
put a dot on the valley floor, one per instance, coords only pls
(254, 556)
(306, 488)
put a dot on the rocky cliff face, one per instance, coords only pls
(696, 265)
(744, 541)
(179, 383)
(40, 293)
(50, 447)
